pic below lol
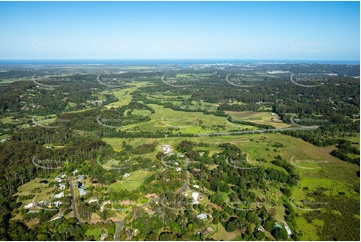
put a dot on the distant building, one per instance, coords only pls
(195, 197)
(59, 195)
(261, 229)
(30, 205)
(92, 200)
(57, 204)
(202, 216)
(167, 149)
(82, 192)
(151, 195)
(125, 202)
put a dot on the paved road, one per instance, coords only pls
(117, 234)
(73, 199)
(185, 186)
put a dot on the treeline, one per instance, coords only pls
(261, 126)
(345, 148)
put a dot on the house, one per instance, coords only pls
(59, 195)
(63, 176)
(57, 179)
(61, 186)
(82, 192)
(196, 186)
(196, 170)
(151, 195)
(125, 202)
(261, 229)
(30, 205)
(57, 204)
(126, 175)
(80, 177)
(179, 155)
(202, 216)
(92, 200)
(75, 172)
(178, 169)
(195, 197)
(167, 149)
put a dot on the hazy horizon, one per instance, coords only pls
(180, 30)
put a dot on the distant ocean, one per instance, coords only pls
(181, 62)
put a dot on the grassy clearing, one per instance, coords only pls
(131, 183)
(258, 117)
(8, 120)
(141, 112)
(308, 230)
(222, 234)
(187, 122)
(95, 232)
(123, 96)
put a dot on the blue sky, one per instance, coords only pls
(180, 30)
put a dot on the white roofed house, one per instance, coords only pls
(30, 205)
(57, 204)
(195, 197)
(59, 195)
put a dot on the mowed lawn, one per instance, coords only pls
(132, 182)
(258, 118)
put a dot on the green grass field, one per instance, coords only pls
(187, 122)
(131, 183)
(222, 234)
(95, 232)
(123, 96)
(258, 117)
